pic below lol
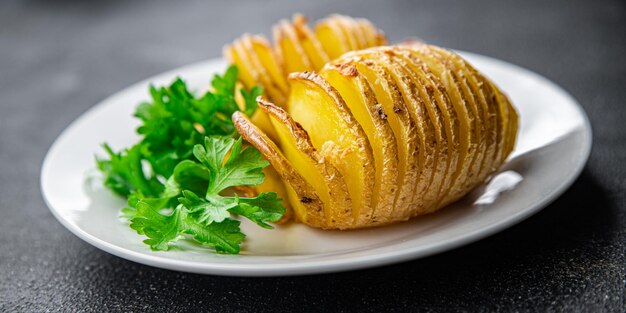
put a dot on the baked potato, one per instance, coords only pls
(374, 135)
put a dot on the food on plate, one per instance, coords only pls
(383, 134)
(349, 131)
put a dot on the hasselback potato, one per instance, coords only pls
(376, 135)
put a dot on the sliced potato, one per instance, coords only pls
(499, 113)
(245, 51)
(476, 102)
(259, 118)
(303, 197)
(468, 114)
(359, 34)
(442, 114)
(513, 126)
(381, 134)
(321, 111)
(511, 122)
(246, 70)
(316, 169)
(311, 45)
(287, 45)
(457, 113)
(393, 109)
(339, 34)
(332, 37)
(414, 97)
(261, 47)
(349, 29)
(374, 36)
(360, 99)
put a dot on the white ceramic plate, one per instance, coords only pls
(553, 146)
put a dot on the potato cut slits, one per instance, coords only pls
(316, 170)
(332, 37)
(360, 99)
(428, 113)
(310, 44)
(290, 49)
(257, 70)
(262, 48)
(349, 28)
(392, 108)
(452, 123)
(415, 96)
(484, 129)
(468, 108)
(310, 211)
(335, 133)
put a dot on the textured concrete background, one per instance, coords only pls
(58, 58)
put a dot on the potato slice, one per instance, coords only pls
(311, 45)
(261, 47)
(332, 37)
(317, 170)
(349, 29)
(466, 179)
(243, 48)
(488, 108)
(499, 112)
(467, 144)
(360, 99)
(486, 129)
(302, 196)
(513, 126)
(442, 114)
(320, 172)
(431, 164)
(289, 49)
(321, 111)
(358, 33)
(393, 109)
(373, 35)
(247, 74)
(510, 132)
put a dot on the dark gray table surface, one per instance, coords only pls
(59, 58)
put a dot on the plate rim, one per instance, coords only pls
(315, 266)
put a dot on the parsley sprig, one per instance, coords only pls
(177, 176)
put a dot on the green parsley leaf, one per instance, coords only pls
(225, 237)
(160, 229)
(266, 207)
(163, 230)
(175, 176)
(243, 167)
(123, 173)
(209, 210)
(249, 98)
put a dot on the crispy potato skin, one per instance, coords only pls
(303, 198)
(379, 134)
